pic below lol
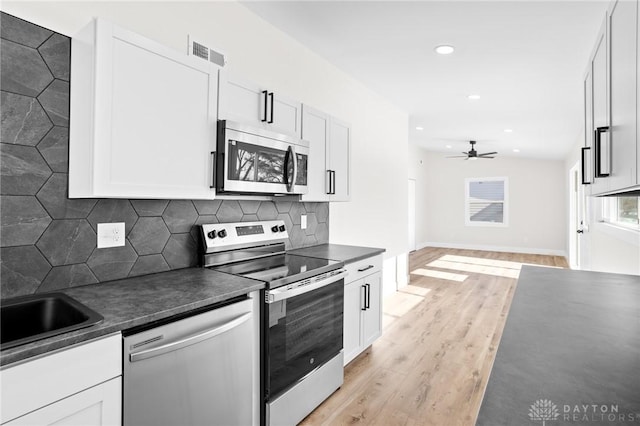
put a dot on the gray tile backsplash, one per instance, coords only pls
(48, 241)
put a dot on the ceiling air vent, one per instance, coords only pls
(202, 51)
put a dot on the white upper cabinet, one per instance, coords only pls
(338, 153)
(611, 101)
(600, 110)
(250, 103)
(623, 23)
(329, 156)
(143, 118)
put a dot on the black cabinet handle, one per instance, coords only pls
(334, 182)
(213, 170)
(271, 96)
(602, 167)
(264, 116)
(365, 268)
(364, 301)
(368, 299)
(586, 174)
(329, 184)
(580, 231)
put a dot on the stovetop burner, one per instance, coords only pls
(257, 250)
(283, 269)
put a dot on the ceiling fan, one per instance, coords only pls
(473, 154)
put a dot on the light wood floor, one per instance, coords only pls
(440, 336)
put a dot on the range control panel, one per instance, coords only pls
(225, 236)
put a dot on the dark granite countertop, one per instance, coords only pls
(139, 300)
(571, 347)
(342, 253)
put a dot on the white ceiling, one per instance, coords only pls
(526, 60)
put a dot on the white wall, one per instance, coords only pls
(537, 208)
(605, 248)
(264, 54)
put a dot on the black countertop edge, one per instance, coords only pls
(131, 302)
(339, 252)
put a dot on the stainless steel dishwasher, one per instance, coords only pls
(198, 370)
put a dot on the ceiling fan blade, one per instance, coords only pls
(485, 157)
(457, 156)
(487, 153)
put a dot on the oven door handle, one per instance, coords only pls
(283, 293)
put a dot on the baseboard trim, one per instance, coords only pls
(524, 250)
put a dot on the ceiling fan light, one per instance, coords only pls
(444, 49)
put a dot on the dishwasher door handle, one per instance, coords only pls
(190, 340)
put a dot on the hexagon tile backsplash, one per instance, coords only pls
(48, 241)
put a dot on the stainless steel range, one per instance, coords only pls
(302, 315)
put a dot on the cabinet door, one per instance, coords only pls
(250, 103)
(353, 305)
(588, 130)
(96, 406)
(622, 33)
(339, 159)
(600, 77)
(153, 112)
(372, 316)
(241, 100)
(286, 114)
(315, 130)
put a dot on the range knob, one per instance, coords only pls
(282, 228)
(222, 233)
(274, 228)
(212, 234)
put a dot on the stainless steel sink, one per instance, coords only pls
(30, 318)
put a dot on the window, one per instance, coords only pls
(622, 211)
(486, 201)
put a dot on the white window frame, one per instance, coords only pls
(609, 214)
(505, 203)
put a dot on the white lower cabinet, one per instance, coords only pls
(80, 385)
(362, 306)
(99, 405)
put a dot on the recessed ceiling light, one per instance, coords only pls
(419, 128)
(473, 97)
(508, 130)
(449, 146)
(444, 49)
(516, 150)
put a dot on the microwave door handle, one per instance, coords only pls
(289, 156)
(294, 158)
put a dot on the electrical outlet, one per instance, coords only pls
(303, 221)
(111, 235)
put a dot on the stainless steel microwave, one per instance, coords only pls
(253, 160)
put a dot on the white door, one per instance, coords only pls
(412, 214)
(574, 217)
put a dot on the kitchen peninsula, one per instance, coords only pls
(569, 352)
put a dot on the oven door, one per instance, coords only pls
(303, 331)
(259, 164)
